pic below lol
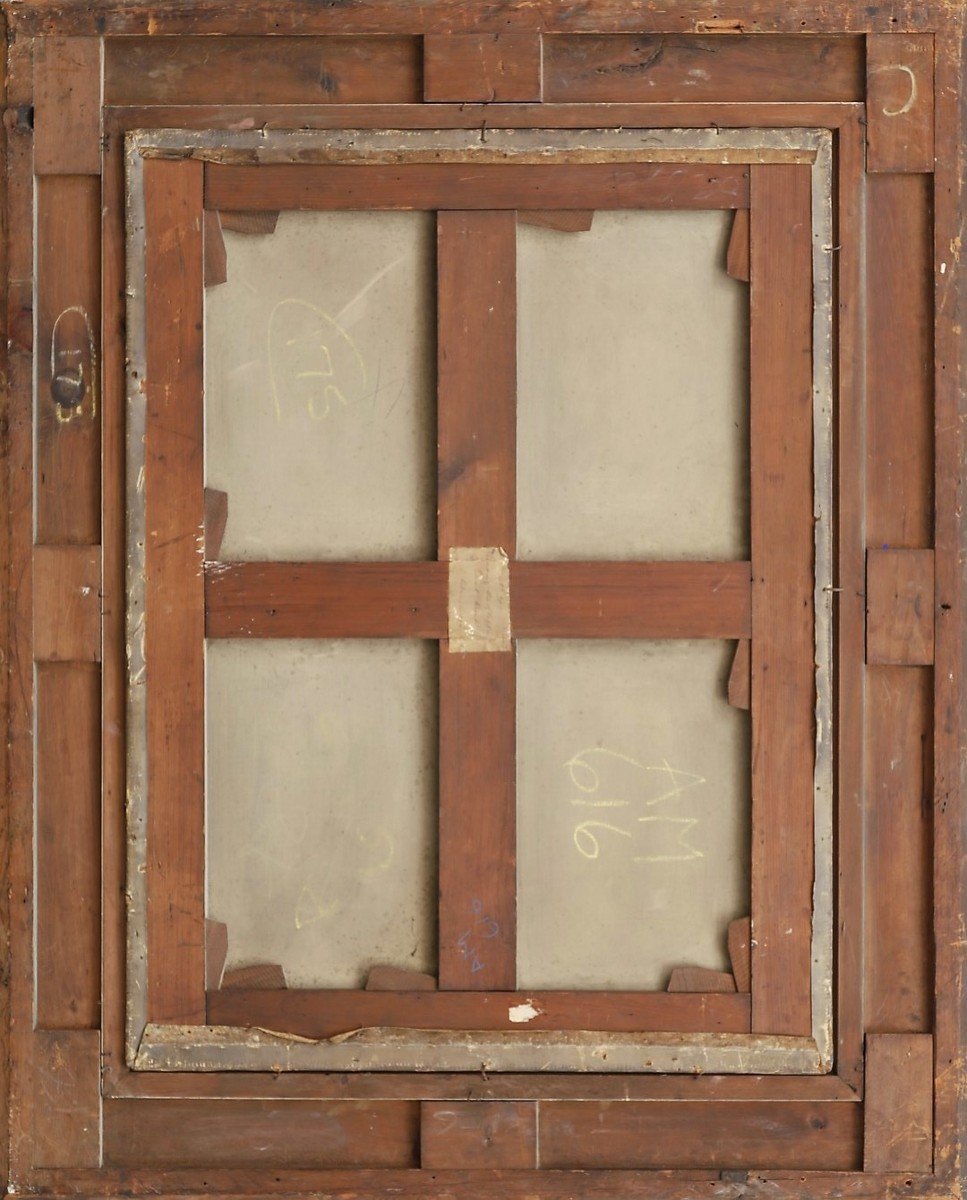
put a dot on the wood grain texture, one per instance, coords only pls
(783, 684)
(689, 68)
(385, 978)
(114, 600)
(563, 220)
(737, 256)
(950, 354)
(316, 600)
(174, 591)
(700, 979)
(739, 938)
(476, 434)
(592, 599)
(495, 1134)
(257, 975)
(216, 521)
(67, 106)
(248, 70)
(216, 952)
(216, 260)
(899, 607)
(899, 103)
(634, 114)
(68, 352)
(899, 512)
(67, 1107)
(67, 603)
(488, 67)
(68, 866)
(739, 687)
(740, 1135)
(326, 1013)
(487, 186)
(898, 1102)
(624, 599)
(851, 578)
(261, 17)
(247, 1133)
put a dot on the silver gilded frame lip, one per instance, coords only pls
(211, 1048)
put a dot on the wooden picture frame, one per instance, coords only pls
(886, 83)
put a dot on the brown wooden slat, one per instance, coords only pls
(388, 16)
(899, 512)
(676, 599)
(494, 1134)
(318, 1014)
(738, 1135)
(899, 103)
(486, 67)
(949, 878)
(67, 1104)
(688, 68)
(67, 603)
(899, 606)
(247, 1133)
(246, 70)
(468, 186)
(898, 1102)
(68, 869)
(476, 432)
(174, 591)
(68, 349)
(624, 599)
(783, 684)
(67, 106)
(850, 577)
(317, 600)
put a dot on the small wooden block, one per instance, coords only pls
(216, 951)
(739, 953)
(700, 979)
(898, 1108)
(67, 106)
(899, 607)
(737, 255)
(67, 1104)
(501, 67)
(258, 975)
(477, 1134)
(216, 261)
(398, 979)
(563, 220)
(899, 103)
(740, 676)
(67, 603)
(216, 521)
(257, 224)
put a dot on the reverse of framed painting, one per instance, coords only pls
(484, 599)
